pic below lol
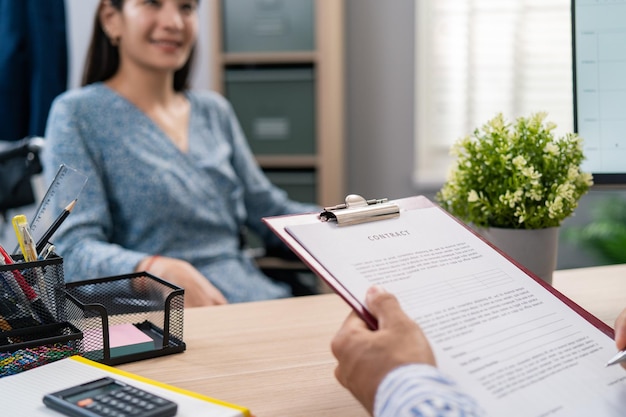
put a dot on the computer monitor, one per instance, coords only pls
(599, 61)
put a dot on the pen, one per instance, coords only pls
(24, 238)
(38, 306)
(49, 251)
(41, 244)
(619, 357)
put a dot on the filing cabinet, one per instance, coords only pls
(268, 25)
(275, 108)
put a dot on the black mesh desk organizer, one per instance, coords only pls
(75, 318)
(151, 304)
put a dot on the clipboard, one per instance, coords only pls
(501, 353)
(358, 210)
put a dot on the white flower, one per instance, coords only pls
(551, 148)
(519, 161)
(535, 193)
(520, 213)
(531, 173)
(572, 173)
(555, 207)
(472, 197)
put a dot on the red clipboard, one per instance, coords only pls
(279, 225)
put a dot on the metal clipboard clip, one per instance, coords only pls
(356, 210)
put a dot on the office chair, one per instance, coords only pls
(19, 162)
(279, 264)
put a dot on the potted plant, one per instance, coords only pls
(517, 176)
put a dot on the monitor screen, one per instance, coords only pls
(599, 61)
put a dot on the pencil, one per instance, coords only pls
(41, 244)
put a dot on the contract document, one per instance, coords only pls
(510, 340)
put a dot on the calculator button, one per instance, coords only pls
(159, 401)
(85, 402)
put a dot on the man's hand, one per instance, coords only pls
(365, 357)
(620, 333)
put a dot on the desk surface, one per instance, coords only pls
(274, 356)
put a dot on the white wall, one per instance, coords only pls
(80, 16)
(380, 108)
(79, 19)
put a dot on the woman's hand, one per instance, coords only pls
(198, 290)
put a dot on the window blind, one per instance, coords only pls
(477, 58)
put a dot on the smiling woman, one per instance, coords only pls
(170, 172)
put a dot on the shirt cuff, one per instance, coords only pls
(420, 389)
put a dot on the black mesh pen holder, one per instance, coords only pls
(127, 317)
(33, 325)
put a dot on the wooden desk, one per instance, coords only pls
(274, 357)
(599, 290)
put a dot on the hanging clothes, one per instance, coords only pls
(33, 64)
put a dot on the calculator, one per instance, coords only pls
(111, 398)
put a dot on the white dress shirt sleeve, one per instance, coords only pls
(422, 390)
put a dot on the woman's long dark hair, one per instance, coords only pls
(103, 58)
